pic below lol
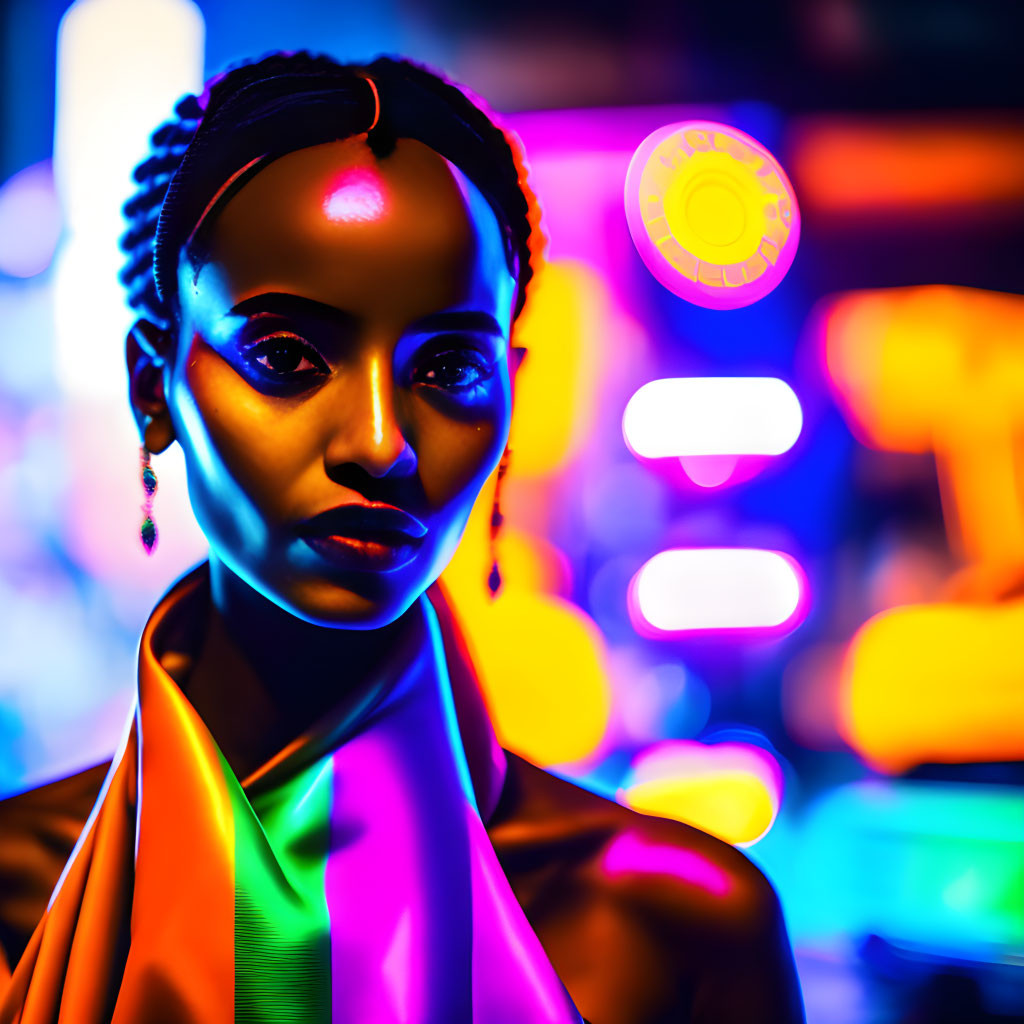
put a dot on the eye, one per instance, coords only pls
(286, 357)
(454, 369)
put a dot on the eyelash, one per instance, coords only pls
(265, 347)
(468, 357)
(283, 342)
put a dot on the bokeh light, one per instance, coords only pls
(941, 369)
(710, 589)
(732, 790)
(712, 416)
(936, 683)
(30, 221)
(711, 213)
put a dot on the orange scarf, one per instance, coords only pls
(350, 883)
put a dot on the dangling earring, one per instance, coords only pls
(494, 579)
(147, 532)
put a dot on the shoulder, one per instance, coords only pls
(38, 830)
(636, 852)
(709, 911)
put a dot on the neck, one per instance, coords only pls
(285, 674)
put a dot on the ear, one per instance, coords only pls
(147, 351)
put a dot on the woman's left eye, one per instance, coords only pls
(452, 370)
(286, 357)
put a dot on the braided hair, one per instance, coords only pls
(259, 110)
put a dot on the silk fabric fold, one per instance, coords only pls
(349, 881)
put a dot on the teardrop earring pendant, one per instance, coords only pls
(494, 577)
(147, 532)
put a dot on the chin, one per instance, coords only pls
(360, 604)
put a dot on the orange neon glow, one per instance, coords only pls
(540, 659)
(848, 165)
(731, 790)
(936, 683)
(941, 369)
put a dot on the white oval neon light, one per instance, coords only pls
(697, 589)
(680, 416)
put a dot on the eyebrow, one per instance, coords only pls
(458, 320)
(288, 304)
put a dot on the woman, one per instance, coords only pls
(309, 818)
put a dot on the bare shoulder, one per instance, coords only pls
(637, 852)
(697, 919)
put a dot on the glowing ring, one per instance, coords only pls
(712, 213)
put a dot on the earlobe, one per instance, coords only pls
(147, 351)
(158, 433)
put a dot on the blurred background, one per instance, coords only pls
(828, 669)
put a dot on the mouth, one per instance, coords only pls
(370, 536)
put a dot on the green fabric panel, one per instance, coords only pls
(282, 928)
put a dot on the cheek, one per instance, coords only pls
(457, 454)
(233, 434)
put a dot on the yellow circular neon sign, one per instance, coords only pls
(712, 213)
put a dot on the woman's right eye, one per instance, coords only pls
(286, 357)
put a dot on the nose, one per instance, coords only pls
(365, 428)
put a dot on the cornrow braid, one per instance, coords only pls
(168, 145)
(256, 111)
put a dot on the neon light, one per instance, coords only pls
(30, 221)
(709, 470)
(357, 196)
(564, 327)
(630, 853)
(853, 166)
(941, 369)
(121, 66)
(725, 416)
(711, 213)
(732, 790)
(936, 866)
(685, 590)
(936, 683)
(549, 699)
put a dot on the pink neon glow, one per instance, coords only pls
(630, 853)
(709, 470)
(374, 925)
(525, 988)
(394, 967)
(708, 590)
(424, 924)
(357, 195)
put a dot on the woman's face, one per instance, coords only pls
(341, 384)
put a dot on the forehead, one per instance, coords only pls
(390, 240)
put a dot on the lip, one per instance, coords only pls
(364, 535)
